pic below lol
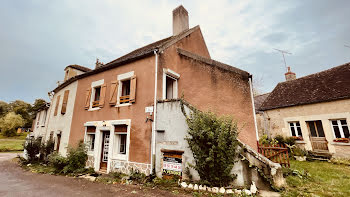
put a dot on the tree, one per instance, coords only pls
(22, 108)
(4, 108)
(10, 123)
(213, 142)
(38, 104)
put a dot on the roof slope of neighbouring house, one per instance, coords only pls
(259, 100)
(78, 67)
(132, 56)
(329, 85)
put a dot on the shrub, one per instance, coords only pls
(296, 151)
(10, 123)
(76, 159)
(46, 149)
(290, 141)
(279, 139)
(213, 142)
(32, 146)
(137, 176)
(57, 161)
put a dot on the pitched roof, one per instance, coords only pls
(329, 85)
(212, 62)
(132, 56)
(259, 100)
(78, 67)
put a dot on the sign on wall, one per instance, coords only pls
(172, 164)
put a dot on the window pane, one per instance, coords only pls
(343, 122)
(299, 131)
(169, 88)
(122, 147)
(334, 122)
(298, 124)
(336, 131)
(97, 93)
(126, 88)
(346, 131)
(312, 129)
(320, 128)
(293, 131)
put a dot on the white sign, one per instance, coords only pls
(149, 109)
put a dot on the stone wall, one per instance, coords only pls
(126, 167)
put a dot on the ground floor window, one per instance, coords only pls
(91, 141)
(340, 128)
(295, 129)
(122, 143)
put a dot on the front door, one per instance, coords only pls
(317, 137)
(104, 151)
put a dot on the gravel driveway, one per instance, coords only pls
(14, 181)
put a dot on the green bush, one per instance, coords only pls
(290, 141)
(33, 147)
(279, 139)
(213, 142)
(9, 124)
(57, 161)
(46, 149)
(265, 140)
(76, 159)
(137, 176)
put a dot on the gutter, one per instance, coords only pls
(253, 107)
(153, 141)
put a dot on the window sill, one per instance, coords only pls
(94, 109)
(340, 143)
(123, 105)
(120, 157)
(300, 142)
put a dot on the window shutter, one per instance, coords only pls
(133, 89)
(102, 96)
(64, 103)
(114, 93)
(57, 102)
(87, 98)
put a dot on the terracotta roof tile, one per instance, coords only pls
(78, 67)
(329, 85)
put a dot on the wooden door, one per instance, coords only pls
(58, 142)
(104, 151)
(317, 136)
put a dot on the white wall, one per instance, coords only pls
(62, 122)
(40, 126)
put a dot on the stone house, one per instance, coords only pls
(315, 109)
(117, 109)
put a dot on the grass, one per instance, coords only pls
(10, 144)
(318, 178)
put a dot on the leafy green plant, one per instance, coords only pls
(10, 122)
(213, 142)
(46, 149)
(32, 146)
(137, 176)
(290, 141)
(279, 139)
(57, 161)
(76, 159)
(297, 151)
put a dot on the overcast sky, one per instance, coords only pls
(39, 38)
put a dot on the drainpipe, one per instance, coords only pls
(252, 98)
(153, 141)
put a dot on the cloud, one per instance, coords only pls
(42, 37)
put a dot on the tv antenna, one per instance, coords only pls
(284, 59)
(347, 46)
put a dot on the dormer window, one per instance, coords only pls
(97, 94)
(125, 94)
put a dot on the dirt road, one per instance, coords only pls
(16, 182)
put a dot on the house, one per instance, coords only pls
(315, 109)
(122, 109)
(40, 122)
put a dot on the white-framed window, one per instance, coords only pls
(120, 146)
(96, 88)
(90, 141)
(340, 128)
(170, 84)
(295, 129)
(124, 88)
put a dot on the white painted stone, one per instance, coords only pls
(195, 187)
(215, 189)
(222, 190)
(184, 185)
(209, 189)
(237, 191)
(253, 188)
(229, 191)
(247, 192)
(190, 186)
(202, 188)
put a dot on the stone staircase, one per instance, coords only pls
(320, 155)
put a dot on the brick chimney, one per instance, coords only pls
(180, 20)
(290, 75)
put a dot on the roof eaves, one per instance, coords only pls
(212, 62)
